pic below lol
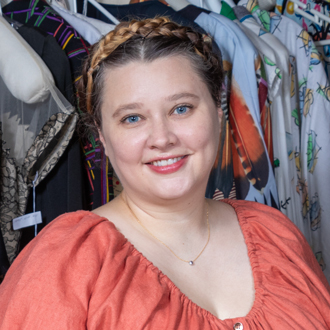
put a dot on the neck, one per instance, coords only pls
(177, 221)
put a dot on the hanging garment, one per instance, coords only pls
(102, 27)
(317, 32)
(34, 134)
(39, 13)
(313, 158)
(82, 268)
(85, 29)
(65, 182)
(286, 136)
(268, 80)
(266, 85)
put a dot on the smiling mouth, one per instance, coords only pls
(166, 162)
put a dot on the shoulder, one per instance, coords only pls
(79, 232)
(277, 241)
(263, 223)
(73, 228)
(69, 244)
(265, 219)
(59, 270)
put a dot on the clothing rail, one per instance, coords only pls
(315, 16)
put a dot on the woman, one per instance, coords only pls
(161, 256)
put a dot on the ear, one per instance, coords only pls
(102, 139)
(220, 115)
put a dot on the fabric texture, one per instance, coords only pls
(81, 272)
(85, 29)
(34, 136)
(312, 117)
(317, 32)
(65, 183)
(283, 103)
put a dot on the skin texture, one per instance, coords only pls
(160, 132)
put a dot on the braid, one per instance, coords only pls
(147, 28)
(178, 39)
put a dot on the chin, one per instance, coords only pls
(175, 190)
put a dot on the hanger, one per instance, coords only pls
(100, 8)
(315, 17)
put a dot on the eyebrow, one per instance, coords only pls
(136, 105)
(125, 107)
(176, 97)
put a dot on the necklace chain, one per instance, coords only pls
(190, 262)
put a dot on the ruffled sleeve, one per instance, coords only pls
(291, 290)
(50, 283)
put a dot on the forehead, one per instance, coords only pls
(142, 81)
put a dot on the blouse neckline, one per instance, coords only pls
(184, 298)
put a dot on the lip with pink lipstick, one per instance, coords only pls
(168, 165)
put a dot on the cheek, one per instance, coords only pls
(205, 133)
(124, 149)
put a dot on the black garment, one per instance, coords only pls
(63, 190)
(53, 56)
(192, 12)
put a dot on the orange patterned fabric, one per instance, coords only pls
(81, 273)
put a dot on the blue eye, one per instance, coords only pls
(132, 119)
(181, 110)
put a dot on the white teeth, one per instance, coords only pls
(166, 162)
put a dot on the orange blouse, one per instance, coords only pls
(80, 272)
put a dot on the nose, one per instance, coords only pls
(162, 135)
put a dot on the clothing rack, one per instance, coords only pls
(315, 17)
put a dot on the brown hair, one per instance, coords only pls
(145, 40)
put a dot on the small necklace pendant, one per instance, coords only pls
(191, 263)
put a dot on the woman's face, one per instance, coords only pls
(160, 127)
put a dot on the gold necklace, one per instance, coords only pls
(190, 262)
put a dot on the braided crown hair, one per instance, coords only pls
(145, 40)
